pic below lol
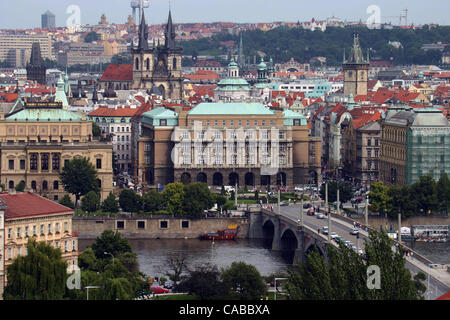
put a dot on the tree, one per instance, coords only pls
(20, 187)
(66, 201)
(91, 36)
(173, 196)
(243, 282)
(443, 192)
(78, 177)
(130, 201)
(378, 197)
(345, 191)
(90, 202)
(110, 204)
(197, 199)
(153, 201)
(204, 282)
(425, 193)
(40, 275)
(220, 200)
(176, 265)
(96, 131)
(112, 243)
(344, 276)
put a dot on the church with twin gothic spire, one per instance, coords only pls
(157, 68)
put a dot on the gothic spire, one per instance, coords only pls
(170, 33)
(143, 34)
(356, 55)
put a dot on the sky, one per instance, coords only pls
(24, 14)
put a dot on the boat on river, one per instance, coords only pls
(226, 234)
(431, 233)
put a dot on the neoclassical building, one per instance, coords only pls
(227, 143)
(25, 216)
(38, 137)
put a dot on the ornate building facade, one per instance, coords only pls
(228, 143)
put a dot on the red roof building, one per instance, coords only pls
(118, 72)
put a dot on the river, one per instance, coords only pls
(152, 254)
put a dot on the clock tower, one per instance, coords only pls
(356, 71)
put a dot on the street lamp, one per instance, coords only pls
(275, 295)
(110, 255)
(87, 290)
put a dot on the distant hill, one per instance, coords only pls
(283, 43)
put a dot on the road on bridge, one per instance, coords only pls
(435, 289)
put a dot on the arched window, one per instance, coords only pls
(11, 184)
(55, 162)
(44, 185)
(55, 185)
(147, 63)
(33, 161)
(137, 64)
(33, 185)
(174, 64)
(99, 183)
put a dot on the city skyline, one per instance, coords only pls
(251, 11)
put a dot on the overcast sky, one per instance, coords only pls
(27, 13)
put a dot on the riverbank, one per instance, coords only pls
(155, 227)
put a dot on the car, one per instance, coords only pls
(347, 243)
(320, 216)
(158, 289)
(354, 231)
(283, 203)
(306, 205)
(333, 235)
(360, 251)
(298, 189)
(310, 212)
(325, 230)
(168, 284)
(338, 239)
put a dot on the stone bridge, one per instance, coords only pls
(285, 234)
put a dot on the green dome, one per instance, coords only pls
(262, 65)
(232, 64)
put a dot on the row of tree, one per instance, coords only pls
(422, 197)
(282, 43)
(109, 264)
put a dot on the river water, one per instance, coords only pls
(152, 254)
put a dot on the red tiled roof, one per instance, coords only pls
(365, 118)
(445, 296)
(25, 204)
(202, 75)
(124, 111)
(8, 97)
(118, 72)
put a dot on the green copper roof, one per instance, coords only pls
(154, 116)
(262, 65)
(233, 82)
(290, 116)
(234, 108)
(44, 115)
(232, 64)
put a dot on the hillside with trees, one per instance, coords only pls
(282, 43)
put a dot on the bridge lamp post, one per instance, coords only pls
(279, 201)
(329, 212)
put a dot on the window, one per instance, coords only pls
(263, 122)
(66, 246)
(22, 164)
(297, 122)
(33, 185)
(42, 229)
(248, 123)
(44, 185)
(369, 142)
(141, 224)
(73, 248)
(66, 227)
(34, 230)
(26, 231)
(57, 227)
(376, 142)
(33, 161)
(9, 233)
(11, 164)
(44, 161)
(19, 232)
(163, 224)
(281, 134)
(163, 122)
(55, 185)
(55, 162)
(120, 224)
(255, 122)
(240, 122)
(216, 122)
(185, 224)
(112, 129)
(57, 244)
(66, 162)
(49, 227)
(9, 254)
(99, 163)
(11, 184)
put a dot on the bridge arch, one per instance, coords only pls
(313, 246)
(268, 231)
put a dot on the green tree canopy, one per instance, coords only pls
(96, 131)
(20, 187)
(153, 201)
(443, 192)
(110, 204)
(197, 198)
(78, 177)
(173, 196)
(130, 201)
(90, 202)
(110, 242)
(40, 275)
(91, 36)
(66, 201)
(243, 281)
(205, 282)
(378, 197)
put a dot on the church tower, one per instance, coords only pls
(158, 67)
(36, 70)
(356, 71)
